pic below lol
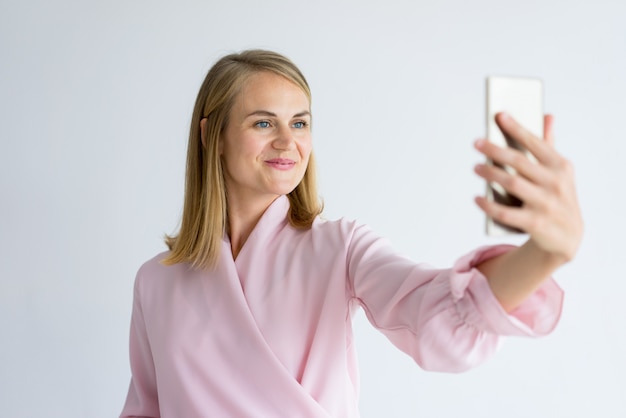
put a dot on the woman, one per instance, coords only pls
(249, 313)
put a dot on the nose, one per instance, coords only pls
(284, 139)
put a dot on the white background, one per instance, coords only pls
(95, 103)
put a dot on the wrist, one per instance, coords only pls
(549, 258)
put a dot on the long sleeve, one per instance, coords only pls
(446, 319)
(142, 399)
(208, 342)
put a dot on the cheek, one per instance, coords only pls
(250, 145)
(305, 148)
(237, 150)
(307, 155)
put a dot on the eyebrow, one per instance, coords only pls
(272, 114)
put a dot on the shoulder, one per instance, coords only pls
(155, 265)
(343, 232)
(154, 272)
(352, 237)
(342, 228)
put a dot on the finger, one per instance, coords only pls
(511, 216)
(548, 129)
(527, 192)
(544, 153)
(516, 159)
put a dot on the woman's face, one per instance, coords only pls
(266, 145)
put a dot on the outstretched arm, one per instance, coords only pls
(550, 213)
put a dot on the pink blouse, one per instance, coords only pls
(269, 334)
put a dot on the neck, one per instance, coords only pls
(242, 218)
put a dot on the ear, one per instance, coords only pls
(203, 132)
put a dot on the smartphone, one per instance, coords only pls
(522, 98)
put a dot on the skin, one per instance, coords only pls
(269, 120)
(550, 213)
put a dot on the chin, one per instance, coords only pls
(285, 191)
(286, 187)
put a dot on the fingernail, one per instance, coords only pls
(504, 115)
(479, 143)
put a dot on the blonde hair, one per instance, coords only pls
(205, 215)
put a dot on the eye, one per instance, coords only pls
(300, 124)
(262, 124)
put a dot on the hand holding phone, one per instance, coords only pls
(522, 98)
(545, 182)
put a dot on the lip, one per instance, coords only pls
(281, 163)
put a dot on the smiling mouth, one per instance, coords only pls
(281, 163)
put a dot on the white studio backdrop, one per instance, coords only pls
(95, 103)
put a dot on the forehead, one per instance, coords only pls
(265, 88)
